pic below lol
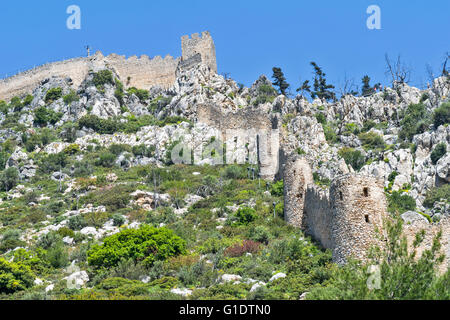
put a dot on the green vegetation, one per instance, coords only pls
(353, 157)
(53, 95)
(439, 151)
(44, 116)
(436, 194)
(279, 80)
(371, 141)
(14, 277)
(400, 203)
(71, 97)
(143, 95)
(102, 78)
(146, 244)
(415, 120)
(441, 115)
(402, 276)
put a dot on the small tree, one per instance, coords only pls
(9, 179)
(280, 80)
(322, 90)
(305, 87)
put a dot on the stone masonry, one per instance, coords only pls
(142, 72)
(348, 218)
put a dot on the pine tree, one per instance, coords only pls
(305, 87)
(366, 89)
(279, 80)
(322, 90)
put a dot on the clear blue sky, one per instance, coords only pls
(251, 36)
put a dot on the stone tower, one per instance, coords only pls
(202, 45)
(297, 177)
(358, 208)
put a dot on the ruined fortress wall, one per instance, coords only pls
(204, 45)
(297, 177)
(246, 128)
(26, 82)
(317, 216)
(431, 230)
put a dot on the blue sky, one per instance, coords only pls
(251, 36)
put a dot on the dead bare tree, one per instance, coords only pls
(397, 70)
(348, 87)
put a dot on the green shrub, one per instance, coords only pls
(321, 118)
(234, 172)
(102, 126)
(400, 203)
(441, 115)
(277, 189)
(371, 141)
(9, 179)
(436, 194)
(53, 95)
(44, 116)
(146, 244)
(118, 219)
(144, 151)
(143, 95)
(14, 277)
(106, 159)
(103, 77)
(245, 216)
(77, 223)
(439, 151)
(71, 97)
(415, 120)
(53, 162)
(4, 108)
(353, 157)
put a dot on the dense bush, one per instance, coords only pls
(415, 120)
(9, 179)
(400, 203)
(277, 189)
(146, 244)
(53, 162)
(234, 172)
(71, 97)
(14, 277)
(353, 157)
(439, 151)
(44, 116)
(106, 159)
(371, 141)
(143, 95)
(441, 115)
(245, 216)
(102, 126)
(103, 77)
(436, 194)
(53, 95)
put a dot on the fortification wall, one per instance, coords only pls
(251, 127)
(142, 73)
(317, 216)
(204, 45)
(26, 82)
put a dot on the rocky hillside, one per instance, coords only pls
(92, 206)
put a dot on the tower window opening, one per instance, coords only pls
(366, 217)
(341, 196)
(366, 192)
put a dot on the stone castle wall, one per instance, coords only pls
(349, 217)
(344, 218)
(142, 73)
(250, 136)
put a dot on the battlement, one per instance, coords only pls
(141, 72)
(203, 45)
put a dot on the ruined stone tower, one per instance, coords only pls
(358, 208)
(345, 219)
(197, 46)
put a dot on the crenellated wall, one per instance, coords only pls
(142, 73)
